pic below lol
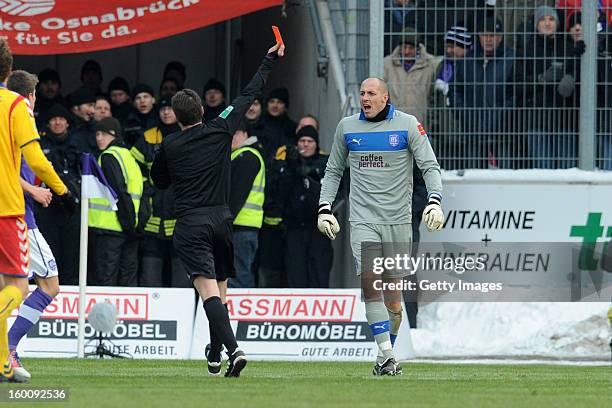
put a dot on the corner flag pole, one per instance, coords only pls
(82, 274)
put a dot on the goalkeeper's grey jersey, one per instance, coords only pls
(380, 159)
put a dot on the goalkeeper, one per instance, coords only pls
(379, 144)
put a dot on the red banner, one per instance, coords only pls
(39, 27)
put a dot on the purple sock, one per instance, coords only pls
(29, 313)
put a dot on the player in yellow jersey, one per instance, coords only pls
(18, 135)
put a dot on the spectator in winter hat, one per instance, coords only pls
(214, 99)
(168, 87)
(82, 102)
(143, 117)
(121, 105)
(83, 105)
(176, 71)
(442, 118)
(545, 85)
(278, 129)
(483, 91)
(48, 93)
(91, 76)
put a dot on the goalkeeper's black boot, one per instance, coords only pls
(213, 360)
(237, 362)
(387, 367)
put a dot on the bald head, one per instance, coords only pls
(374, 95)
(375, 82)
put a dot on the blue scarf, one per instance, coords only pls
(447, 71)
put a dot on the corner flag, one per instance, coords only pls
(93, 182)
(93, 185)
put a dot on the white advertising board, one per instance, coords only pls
(151, 323)
(300, 325)
(524, 206)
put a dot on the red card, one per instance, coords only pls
(277, 35)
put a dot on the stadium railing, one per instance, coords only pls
(519, 114)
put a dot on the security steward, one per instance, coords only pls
(116, 249)
(248, 178)
(156, 246)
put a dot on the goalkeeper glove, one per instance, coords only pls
(327, 223)
(433, 216)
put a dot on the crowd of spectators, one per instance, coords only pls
(277, 166)
(493, 96)
(485, 101)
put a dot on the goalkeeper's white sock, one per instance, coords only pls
(378, 320)
(395, 321)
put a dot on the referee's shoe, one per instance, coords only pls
(214, 366)
(237, 362)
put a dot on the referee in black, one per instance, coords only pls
(196, 161)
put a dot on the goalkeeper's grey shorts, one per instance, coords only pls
(370, 241)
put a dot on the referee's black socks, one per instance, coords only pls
(216, 346)
(219, 324)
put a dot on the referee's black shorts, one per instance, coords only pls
(204, 244)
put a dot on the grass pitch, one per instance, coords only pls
(146, 383)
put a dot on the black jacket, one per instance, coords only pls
(534, 92)
(122, 111)
(196, 162)
(275, 131)
(65, 157)
(84, 135)
(125, 207)
(136, 124)
(211, 113)
(483, 87)
(300, 188)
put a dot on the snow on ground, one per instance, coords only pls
(565, 331)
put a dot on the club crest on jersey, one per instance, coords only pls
(394, 140)
(421, 130)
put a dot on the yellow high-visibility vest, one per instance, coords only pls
(251, 213)
(101, 213)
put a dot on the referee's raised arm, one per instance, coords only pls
(231, 116)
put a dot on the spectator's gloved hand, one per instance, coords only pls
(441, 86)
(566, 86)
(292, 155)
(553, 74)
(433, 216)
(69, 202)
(579, 48)
(327, 223)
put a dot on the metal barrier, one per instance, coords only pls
(503, 84)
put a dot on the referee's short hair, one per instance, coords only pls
(187, 107)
